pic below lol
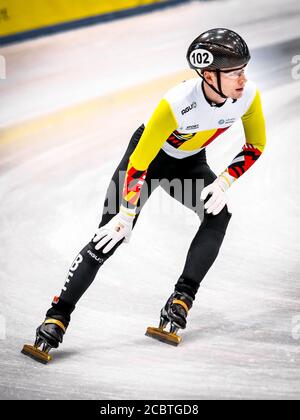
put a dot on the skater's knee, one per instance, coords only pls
(218, 222)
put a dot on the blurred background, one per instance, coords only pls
(76, 79)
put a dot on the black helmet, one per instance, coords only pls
(218, 49)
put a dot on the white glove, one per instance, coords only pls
(119, 227)
(218, 198)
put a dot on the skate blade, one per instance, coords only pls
(36, 354)
(164, 336)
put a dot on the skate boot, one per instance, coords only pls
(48, 336)
(175, 311)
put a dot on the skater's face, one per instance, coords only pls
(232, 81)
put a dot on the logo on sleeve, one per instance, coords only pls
(189, 108)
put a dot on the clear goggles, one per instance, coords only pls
(234, 74)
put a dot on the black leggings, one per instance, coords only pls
(190, 174)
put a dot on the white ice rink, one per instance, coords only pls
(67, 111)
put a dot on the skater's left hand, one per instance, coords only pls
(118, 228)
(218, 198)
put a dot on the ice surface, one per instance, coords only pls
(243, 334)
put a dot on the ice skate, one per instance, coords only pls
(48, 336)
(174, 312)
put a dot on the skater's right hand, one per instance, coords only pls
(118, 228)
